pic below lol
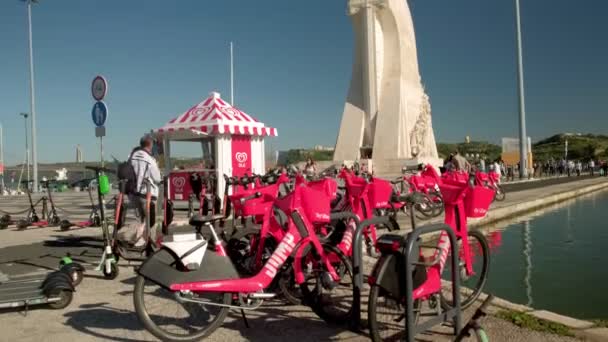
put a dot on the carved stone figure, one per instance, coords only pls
(386, 110)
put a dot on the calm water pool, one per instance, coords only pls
(556, 260)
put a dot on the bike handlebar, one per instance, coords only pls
(250, 197)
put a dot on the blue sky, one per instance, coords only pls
(293, 64)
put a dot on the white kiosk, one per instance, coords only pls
(232, 143)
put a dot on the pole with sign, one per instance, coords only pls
(99, 113)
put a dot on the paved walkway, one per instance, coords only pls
(103, 310)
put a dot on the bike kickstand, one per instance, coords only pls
(245, 318)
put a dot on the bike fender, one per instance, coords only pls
(389, 274)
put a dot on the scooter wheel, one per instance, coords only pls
(65, 298)
(65, 225)
(22, 224)
(76, 277)
(55, 221)
(113, 272)
(96, 221)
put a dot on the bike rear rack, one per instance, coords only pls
(412, 329)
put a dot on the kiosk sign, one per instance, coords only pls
(241, 155)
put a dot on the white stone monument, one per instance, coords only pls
(387, 112)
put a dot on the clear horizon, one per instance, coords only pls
(293, 65)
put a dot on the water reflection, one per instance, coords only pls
(528, 260)
(562, 240)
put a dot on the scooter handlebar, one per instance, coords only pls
(99, 169)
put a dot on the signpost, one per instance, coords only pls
(99, 88)
(99, 113)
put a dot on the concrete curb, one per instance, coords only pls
(582, 329)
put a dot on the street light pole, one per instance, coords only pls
(27, 150)
(32, 95)
(2, 160)
(523, 140)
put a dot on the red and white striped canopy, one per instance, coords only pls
(215, 116)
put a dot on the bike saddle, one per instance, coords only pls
(199, 220)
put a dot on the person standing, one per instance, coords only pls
(461, 163)
(310, 169)
(147, 171)
(591, 167)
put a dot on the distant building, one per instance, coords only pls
(78, 154)
(322, 148)
(510, 151)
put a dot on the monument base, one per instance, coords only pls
(391, 168)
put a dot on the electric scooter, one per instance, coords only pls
(30, 217)
(52, 218)
(93, 221)
(123, 249)
(55, 289)
(107, 264)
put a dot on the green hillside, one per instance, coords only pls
(484, 149)
(580, 146)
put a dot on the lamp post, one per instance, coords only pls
(523, 140)
(27, 150)
(1, 160)
(32, 94)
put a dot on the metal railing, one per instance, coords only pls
(410, 256)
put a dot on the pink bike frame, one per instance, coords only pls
(456, 218)
(292, 243)
(358, 203)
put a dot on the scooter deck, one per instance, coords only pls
(23, 291)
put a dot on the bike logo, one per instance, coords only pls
(178, 183)
(322, 216)
(241, 158)
(480, 211)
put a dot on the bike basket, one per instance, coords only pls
(356, 186)
(482, 177)
(255, 206)
(104, 184)
(477, 201)
(418, 182)
(328, 186)
(452, 194)
(316, 205)
(494, 176)
(379, 193)
(455, 178)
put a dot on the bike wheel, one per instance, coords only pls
(499, 195)
(471, 286)
(169, 320)
(290, 291)
(386, 315)
(438, 204)
(331, 301)
(426, 208)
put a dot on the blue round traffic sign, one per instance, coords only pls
(99, 113)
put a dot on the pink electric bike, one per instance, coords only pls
(180, 301)
(387, 298)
